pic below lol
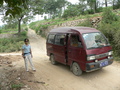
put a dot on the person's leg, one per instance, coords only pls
(26, 63)
(30, 60)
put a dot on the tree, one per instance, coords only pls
(33, 8)
(54, 7)
(12, 7)
(82, 6)
(116, 4)
(71, 11)
(93, 4)
(106, 3)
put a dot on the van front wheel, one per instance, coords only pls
(52, 60)
(76, 69)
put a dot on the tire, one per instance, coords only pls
(52, 60)
(76, 69)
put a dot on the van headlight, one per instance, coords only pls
(110, 53)
(91, 57)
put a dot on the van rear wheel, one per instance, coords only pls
(76, 69)
(52, 60)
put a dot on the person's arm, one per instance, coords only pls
(31, 53)
(23, 53)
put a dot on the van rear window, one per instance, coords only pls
(51, 38)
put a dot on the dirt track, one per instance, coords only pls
(59, 77)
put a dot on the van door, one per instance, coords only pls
(75, 50)
(60, 48)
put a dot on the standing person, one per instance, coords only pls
(27, 54)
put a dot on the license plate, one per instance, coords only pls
(105, 63)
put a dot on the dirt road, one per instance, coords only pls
(59, 77)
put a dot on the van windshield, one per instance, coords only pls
(95, 40)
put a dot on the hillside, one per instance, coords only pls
(91, 20)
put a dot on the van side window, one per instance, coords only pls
(51, 38)
(59, 39)
(75, 42)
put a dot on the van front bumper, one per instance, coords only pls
(98, 65)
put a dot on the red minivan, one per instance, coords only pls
(82, 48)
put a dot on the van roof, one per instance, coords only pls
(73, 29)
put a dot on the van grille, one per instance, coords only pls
(101, 55)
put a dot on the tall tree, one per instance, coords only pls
(54, 7)
(106, 3)
(93, 4)
(13, 6)
(82, 6)
(33, 8)
(116, 4)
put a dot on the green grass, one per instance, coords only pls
(3, 31)
(12, 44)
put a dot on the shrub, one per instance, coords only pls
(12, 44)
(110, 27)
(24, 33)
(86, 23)
(109, 16)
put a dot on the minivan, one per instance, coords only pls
(82, 48)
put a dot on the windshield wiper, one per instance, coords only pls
(92, 47)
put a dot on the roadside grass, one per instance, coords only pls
(12, 44)
(3, 31)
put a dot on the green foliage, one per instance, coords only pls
(109, 16)
(54, 7)
(13, 6)
(45, 17)
(12, 44)
(71, 12)
(112, 32)
(5, 31)
(116, 4)
(86, 23)
(24, 33)
(25, 15)
(110, 27)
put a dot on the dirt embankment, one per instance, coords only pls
(54, 77)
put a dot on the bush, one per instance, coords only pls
(86, 23)
(109, 16)
(24, 33)
(12, 44)
(110, 27)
